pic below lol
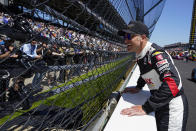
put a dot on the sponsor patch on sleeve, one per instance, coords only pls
(167, 75)
(164, 68)
(159, 57)
(157, 53)
(161, 63)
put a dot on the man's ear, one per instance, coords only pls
(143, 36)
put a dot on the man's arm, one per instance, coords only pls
(6, 54)
(171, 82)
(140, 83)
(137, 109)
(139, 86)
(39, 49)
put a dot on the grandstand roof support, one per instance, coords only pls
(129, 9)
(138, 17)
(193, 25)
(153, 7)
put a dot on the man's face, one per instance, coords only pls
(33, 42)
(133, 42)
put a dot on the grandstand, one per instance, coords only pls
(178, 46)
(60, 60)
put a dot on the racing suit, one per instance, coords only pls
(167, 96)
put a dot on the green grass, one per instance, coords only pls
(78, 94)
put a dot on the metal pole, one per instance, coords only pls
(193, 25)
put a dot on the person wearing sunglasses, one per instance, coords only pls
(158, 71)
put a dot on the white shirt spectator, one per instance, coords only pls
(29, 49)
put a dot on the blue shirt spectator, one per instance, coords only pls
(5, 20)
(2, 42)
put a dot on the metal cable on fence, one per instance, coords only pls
(101, 66)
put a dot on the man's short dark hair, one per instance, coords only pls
(9, 43)
(135, 27)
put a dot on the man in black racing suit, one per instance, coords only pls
(158, 71)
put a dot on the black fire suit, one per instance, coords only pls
(167, 96)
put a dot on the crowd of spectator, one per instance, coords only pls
(183, 55)
(16, 57)
(5, 18)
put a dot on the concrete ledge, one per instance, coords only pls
(118, 122)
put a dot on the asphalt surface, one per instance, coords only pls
(185, 69)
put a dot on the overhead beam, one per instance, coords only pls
(153, 7)
(129, 10)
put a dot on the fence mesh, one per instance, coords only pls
(60, 70)
(60, 60)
